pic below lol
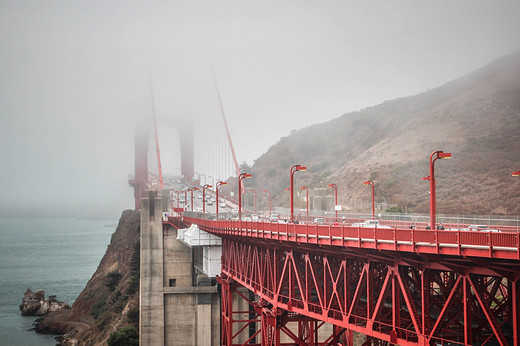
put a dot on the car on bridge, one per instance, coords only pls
(319, 221)
(482, 228)
(369, 224)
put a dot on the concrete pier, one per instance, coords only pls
(151, 300)
(174, 310)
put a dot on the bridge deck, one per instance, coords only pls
(440, 242)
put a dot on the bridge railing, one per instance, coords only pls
(454, 242)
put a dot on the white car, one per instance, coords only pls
(255, 217)
(369, 224)
(319, 220)
(222, 205)
(483, 228)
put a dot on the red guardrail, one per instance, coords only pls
(468, 243)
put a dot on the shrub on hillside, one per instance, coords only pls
(112, 280)
(126, 336)
(394, 210)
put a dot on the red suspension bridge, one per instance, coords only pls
(395, 285)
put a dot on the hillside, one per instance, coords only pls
(110, 300)
(476, 118)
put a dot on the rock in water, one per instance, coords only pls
(35, 304)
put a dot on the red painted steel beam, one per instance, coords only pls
(315, 286)
(401, 297)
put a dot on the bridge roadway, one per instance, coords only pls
(398, 286)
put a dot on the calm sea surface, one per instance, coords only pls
(58, 255)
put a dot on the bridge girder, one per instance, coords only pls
(368, 282)
(393, 303)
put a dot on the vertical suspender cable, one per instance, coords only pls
(226, 125)
(156, 134)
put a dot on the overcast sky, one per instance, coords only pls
(74, 75)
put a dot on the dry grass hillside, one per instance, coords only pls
(476, 118)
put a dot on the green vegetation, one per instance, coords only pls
(394, 210)
(133, 315)
(104, 320)
(99, 307)
(244, 167)
(133, 285)
(120, 304)
(112, 280)
(126, 336)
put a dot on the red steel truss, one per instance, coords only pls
(272, 323)
(390, 291)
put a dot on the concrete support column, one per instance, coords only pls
(151, 302)
(204, 324)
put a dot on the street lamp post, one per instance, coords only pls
(204, 197)
(294, 169)
(185, 198)
(335, 197)
(370, 182)
(191, 190)
(219, 183)
(172, 193)
(240, 177)
(433, 207)
(307, 190)
(267, 191)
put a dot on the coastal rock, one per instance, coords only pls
(35, 304)
(110, 300)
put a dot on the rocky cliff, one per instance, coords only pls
(110, 301)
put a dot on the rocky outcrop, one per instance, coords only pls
(35, 304)
(109, 301)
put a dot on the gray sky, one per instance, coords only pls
(75, 74)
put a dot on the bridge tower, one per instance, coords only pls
(142, 137)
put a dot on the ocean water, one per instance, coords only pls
(58, 255)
